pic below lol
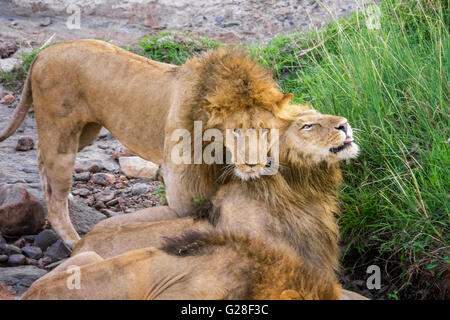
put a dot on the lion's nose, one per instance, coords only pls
(343, 127)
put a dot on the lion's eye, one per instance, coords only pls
(306, 127)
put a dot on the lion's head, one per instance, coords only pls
(315, 137)
(240, 98)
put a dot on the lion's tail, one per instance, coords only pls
(22, 108)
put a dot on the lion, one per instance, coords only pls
(296, 206)
(195, 265)
(79, 87)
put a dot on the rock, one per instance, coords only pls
(59, 250)
(105, 195)
(82, 176)
(9, 98)
(2, 240)
(3, 258)
(136, 167)
(83, 217)
(45, 239)
(9, 249)
(139, 188)
(54, 264)
(20, 278)
(25, 143)
(7, 48)
(121, 151)
(20, 212)
(99, 205)
(20, 243)
(8, 64)
(31, 262)
(16, 260)
(42, 262)
(103, 179)
(29, 238)
(81, 192)
(32, 252)
(45, 22)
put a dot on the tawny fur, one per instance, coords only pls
(81, 86)
(296, 206)
(191, 266)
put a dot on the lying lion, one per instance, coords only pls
(295, 207)
(196, 265)
(81, 86)
(252, 262)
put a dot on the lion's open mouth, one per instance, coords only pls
(340, 148)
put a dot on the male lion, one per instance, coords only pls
(78, 87)
(196, 265)
(295, 206)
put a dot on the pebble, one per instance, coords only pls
(9, 249)
(32, 252)
(105, 196)
(103, 179)
(31, 262)
(45, 22)
(3, 258)
(139, 188)
(59, 250)
(20, 243)
(82, 176)
(81, 192)
(44, 261)
(16, 260)
(9, 98)
(45, 239)
(25, 143)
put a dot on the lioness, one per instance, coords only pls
(78, 87)
(296, 206)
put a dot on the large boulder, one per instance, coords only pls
(21, 213)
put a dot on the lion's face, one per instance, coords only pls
(320, 137)
(249, 136)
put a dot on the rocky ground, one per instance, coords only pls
(107, 180)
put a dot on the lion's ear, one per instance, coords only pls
(285, 100)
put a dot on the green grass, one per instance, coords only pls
(15, 77)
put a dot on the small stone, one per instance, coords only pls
(113, 202)
(99, 205)
(59, 250)
(9, 98)
(45, 239)
(103, 179)
(9, 249)
(16, 260)
(45, 22)
(42, 262)
(32, 252)
(3, 258)
(121, 151)
(139, 188)
(94, 168)
(107, 212)
(136, 167)
(20, 243)
(82, 176)
(31, 262)
(81, 192)
(105, 195)
(120, 185)
(29, 238)
(25, 143)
